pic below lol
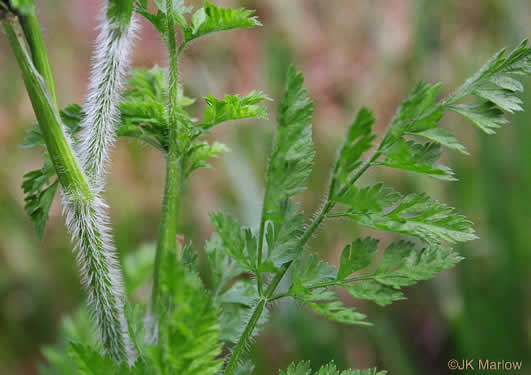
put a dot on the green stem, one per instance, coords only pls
(259, 282)
(175, 165)
(68, 170)
(325, 210)
(232, 365)
(327, 284)
(33, 34)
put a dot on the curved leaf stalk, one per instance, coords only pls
(111, 61)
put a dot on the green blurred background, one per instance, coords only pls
(353, 53)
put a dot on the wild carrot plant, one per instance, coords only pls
(186, 328)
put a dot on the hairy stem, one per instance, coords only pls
(175, 165)
(112, 58)
(240, 347)
(85, 214)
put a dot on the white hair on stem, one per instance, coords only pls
(111, 61)
(88, 221)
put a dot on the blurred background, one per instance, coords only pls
(353, 53)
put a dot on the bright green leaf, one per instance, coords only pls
(368, 199)
(357, 256)
(238, 242)
(420, 216)
(444, 138)
(418, 158)
(359, 140)
(233, 107)
(374, 292)
(211, 19)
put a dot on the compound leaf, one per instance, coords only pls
(496, 85)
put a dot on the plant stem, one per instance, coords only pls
(175, 164)
(259, 282)
(68, 170)
(244, 338)
(327, 207)
(168, 227)
(85, 216)
(33, 34)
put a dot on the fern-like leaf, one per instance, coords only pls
(415, 215)
(304, 368)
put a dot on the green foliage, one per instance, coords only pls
(304, 368)
(144, 117)
(194, 325)
(188, 340)
(206, 20)
(290, 165)
(38, 187)
(310, 272)
(416, 157)
(416, 215)
(368, 199)
(19, 6)
(39, 195)
(292, 157)
(211, 18)
(143, 108)
(158, 20)
(283, 230)
(233, 107)
(70, 116)
(188, 328)
(329, 305)
(358, 141)
(357, 256)
(238, 243)
(496, 86)
(403, 264)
